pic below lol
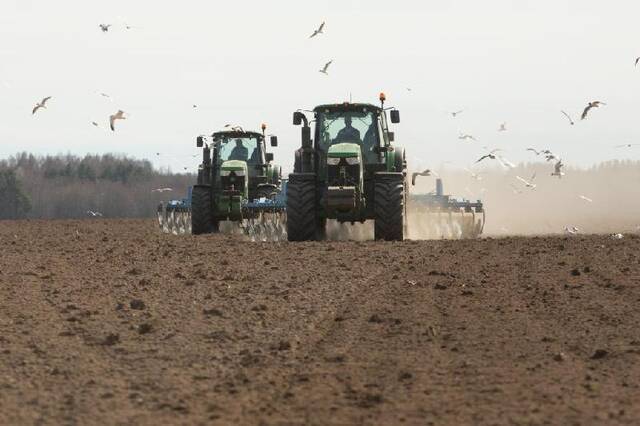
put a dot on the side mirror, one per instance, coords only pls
(306, 137)
(395, 116)
(274, 141)
(268, 156)
(392, 136)
(297, 118)
(199, 141)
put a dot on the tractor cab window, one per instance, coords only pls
(243, 149)
(347, 126)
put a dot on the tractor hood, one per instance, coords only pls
(344, 150)
(237, 166)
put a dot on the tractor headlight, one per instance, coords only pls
(333, 161)
(352, 161)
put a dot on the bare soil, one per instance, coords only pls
(112, 322)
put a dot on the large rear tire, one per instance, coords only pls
(202, 220)
(389, 208)
(302, 221)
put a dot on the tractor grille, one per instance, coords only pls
(343, 174)
(232, 181)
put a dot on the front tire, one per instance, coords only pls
(302, 222)
(202, 220)
(389, 208)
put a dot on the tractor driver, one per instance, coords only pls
(239, 152)
(348, 133)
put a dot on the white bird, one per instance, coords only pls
(426, 172)
(627, 145)
(318, 31)
(104, 27)
(637, 59)
(234, 128)
(491, 155)
(162, 190)
(455, 113)
(503, 127)
(117, 116)
(326, 67)
(617, 236)
(95, 123)
(41, 104)
(594, 104)
(557, 169)
(465, 136)
(571, 230)
(94, 214)
(568, 117)
(505, 163)
(585, 198)
(528, 183)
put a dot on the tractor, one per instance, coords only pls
(348, 170)
(236, 182)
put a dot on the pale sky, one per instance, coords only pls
(247, 62)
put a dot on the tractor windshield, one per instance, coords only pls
(243, 149)
(359, 127)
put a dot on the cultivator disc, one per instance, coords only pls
(266, 226)
(174, 218)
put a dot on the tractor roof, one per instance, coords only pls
(347, 106)
(236, 134)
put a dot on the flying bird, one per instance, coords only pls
(491, 155)
(465, 136)
(557, 169)
(505, 163)
(568, 117)
(594, 104)
(455, 113)
(571, 230)
(104, 27)
(503, 127)
(528, 183)
(582, 197)
(426, 172)
(162, 190)
(627, 145)
(41, 104)
(234, 128)
(318, 31)
(95, 123)
(117, 116)
(515, 189)
(637, 60)
(94, 214)
(535, 151)
(326, 67)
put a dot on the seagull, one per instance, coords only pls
(557, 169)
(535, 151)
(104, 27)
(528, 183)
(326, 67)
(409, 89)
(550, 157)
(162, 190)
(617, 236)
(195, 106)
(637, 60)
(571, 230)
(318, 31)
(503, 127)
(505, 163)
(627, 145)
(465, 136)
(41, 104)
(117, 116)
(585, 198)
(475, 176)
(491, 155)
(455, 113)
(568, 117)
(426, 172)
(95, 123)
(94, 214)
(594, 104)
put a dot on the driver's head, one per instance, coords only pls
(238, 142)
(347, 121)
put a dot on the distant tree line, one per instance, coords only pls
(68, 186)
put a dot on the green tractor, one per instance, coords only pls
(349, 171)
(235, 171)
